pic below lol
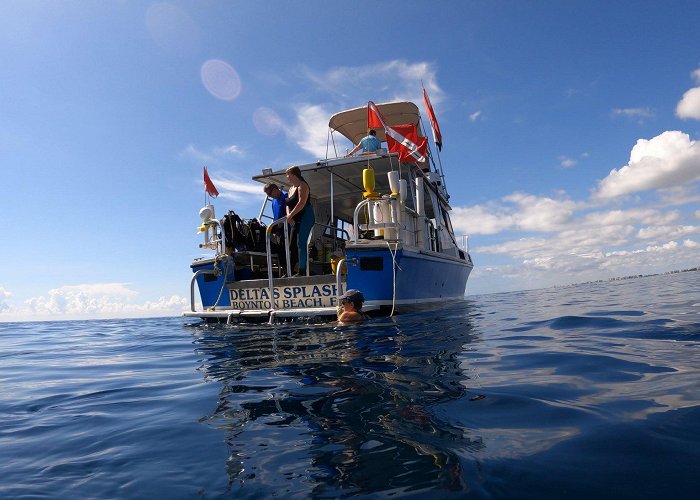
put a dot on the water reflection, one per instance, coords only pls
(341, 408)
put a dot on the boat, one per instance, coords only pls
(382, 226)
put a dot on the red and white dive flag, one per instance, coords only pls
(437, 136)
(402, 139)
(209, 185)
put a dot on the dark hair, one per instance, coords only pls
(372, 132)
(269, 187)
(295, 171)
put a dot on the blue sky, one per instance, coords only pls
(569, 133)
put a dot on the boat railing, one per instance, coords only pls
(390, 201)
(194, 280)
(268, 245)
(216, 243)
(465, 243)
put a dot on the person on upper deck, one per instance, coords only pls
(369, 144)
(300, 214)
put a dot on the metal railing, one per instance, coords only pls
(268, 233)
(193, 281)
(375, 225)
(219, 242)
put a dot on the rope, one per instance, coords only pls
(393, 275)
(223, 284)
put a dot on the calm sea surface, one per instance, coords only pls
(585, 391)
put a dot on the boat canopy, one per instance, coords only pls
(353, 122)
(347, 179)
(347, 176)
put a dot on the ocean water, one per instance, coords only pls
(586, 391)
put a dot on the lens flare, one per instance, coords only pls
(221, 80)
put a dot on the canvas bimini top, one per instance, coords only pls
(353, 122)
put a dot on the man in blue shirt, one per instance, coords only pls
(279, 200)
(369, 144)
(279, 211)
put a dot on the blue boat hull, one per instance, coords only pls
(419, 276)
(212, 287)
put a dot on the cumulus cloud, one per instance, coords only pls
(578, 246)
(103, 300)
(689, 105)
(666, 232)
(667, 160)
(480, 219)
(519, 211)
(534, 213)
(310, 131)
(648, 216)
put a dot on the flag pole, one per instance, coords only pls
(436, 136)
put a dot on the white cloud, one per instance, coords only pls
(533, 213)
(689, 105)
(667, 160)
(474, 116)
(310, 131)
(217, 154)
(478, 219)
(236, 190)
(566, 162)
(394, 80)
(4, 297)
(102, 300)
(679, 195)
(647, 216)
(519, 211)
(666, 232)
(633, 112)
(231, 150)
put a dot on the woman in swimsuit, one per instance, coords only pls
(300, 215)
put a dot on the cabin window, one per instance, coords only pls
(343, 229)
(448, 222)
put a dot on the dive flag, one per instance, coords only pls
(209, 185)
(404, 139)
(437, 136)
(374, 116)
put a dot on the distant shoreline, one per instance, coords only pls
(634, 276)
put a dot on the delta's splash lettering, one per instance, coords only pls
(285, 297)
